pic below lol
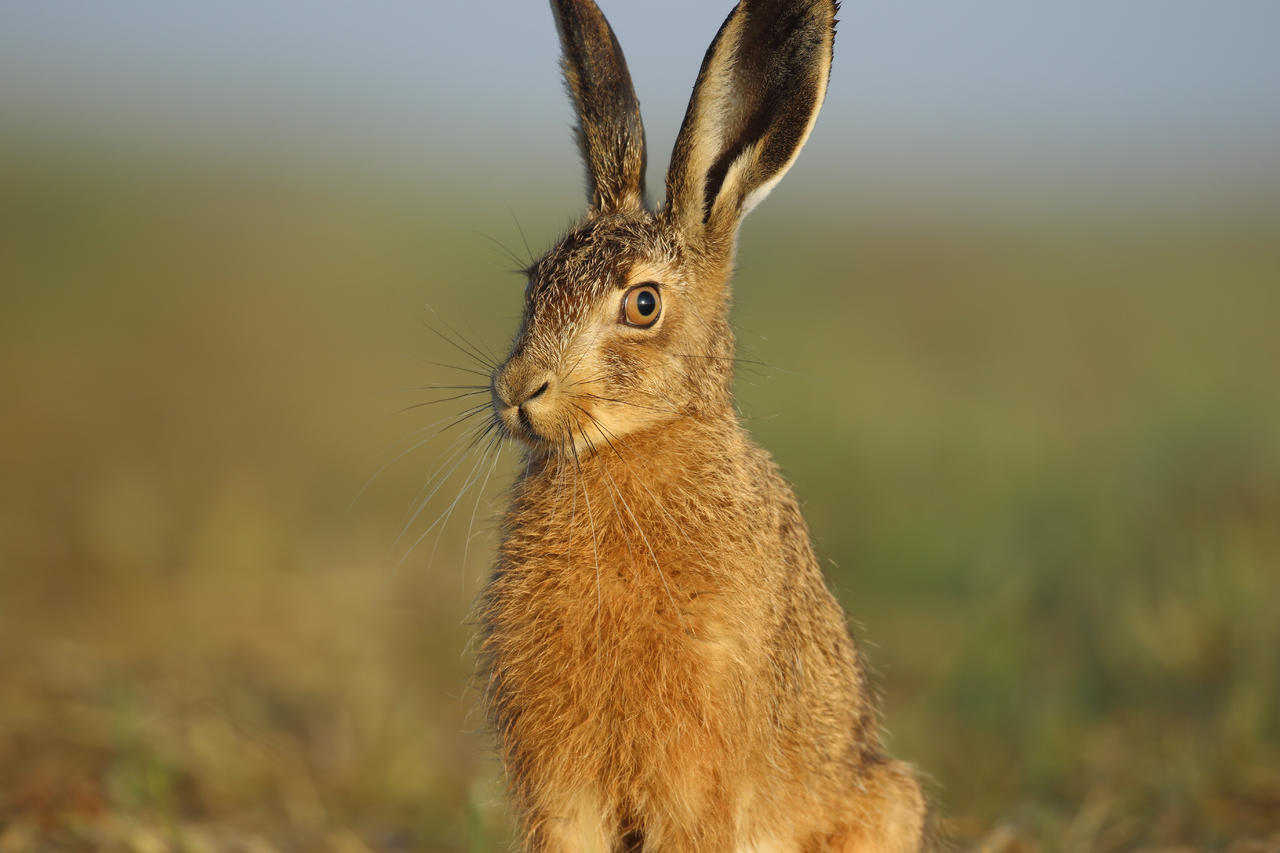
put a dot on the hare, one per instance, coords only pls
(661, 660)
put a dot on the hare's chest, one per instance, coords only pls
(606, 638)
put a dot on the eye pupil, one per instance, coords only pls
(646, 303)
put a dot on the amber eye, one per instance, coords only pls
(642, 306)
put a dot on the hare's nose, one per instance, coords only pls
(520, 392)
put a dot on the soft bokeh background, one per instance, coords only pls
(1010, 326)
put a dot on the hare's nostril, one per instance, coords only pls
(536, 394)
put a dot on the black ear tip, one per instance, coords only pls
(801, 14)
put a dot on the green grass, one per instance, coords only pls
(1041, 454)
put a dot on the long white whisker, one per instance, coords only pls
(456, 453)
(472, 478)
(402, 454)
(595, 553)
(639, 529)
(559, 481)
(616, 514)
(443, 517)
(496, 445)
(616, 444)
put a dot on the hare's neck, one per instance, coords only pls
(672, 490)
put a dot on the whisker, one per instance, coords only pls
(461, 344)
(585, 351)
(435, 481)
(611, 438)
(480, 350)
(458, 368)
(483, 345)
(523, 239)
(626, 539)
(734, 359)
(566, 440)
(488, 429)
(559, 479)
(466, 548)
(402, 454)
(652, 554)
(445, 388)
(603, 399)
(479, 359)
(595, 551)
(424, 403)
(444, 517)
(599, 428)
(470, 481)
(602, 377)
(452, 452)
(520, 267)
(737, 359)
(467, 415)
(573, 509)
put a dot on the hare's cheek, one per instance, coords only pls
(637, 352)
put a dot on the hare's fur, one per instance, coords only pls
(664, 666)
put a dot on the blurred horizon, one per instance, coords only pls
(1174, 98)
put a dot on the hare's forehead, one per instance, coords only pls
(587, 266)
(577, 280)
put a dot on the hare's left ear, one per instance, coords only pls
(610, 132)
(757, 97)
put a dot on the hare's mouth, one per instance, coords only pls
(526, 422)
(530, 427)
(552, 433)
(528, 431)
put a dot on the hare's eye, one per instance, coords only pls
(642, 306)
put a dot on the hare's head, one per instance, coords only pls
(626, 320)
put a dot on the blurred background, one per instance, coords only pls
(1009, 325)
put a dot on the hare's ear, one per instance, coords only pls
(610, 131)
(756, 99)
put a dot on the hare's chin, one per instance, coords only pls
(516, 424)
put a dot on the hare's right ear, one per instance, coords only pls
(610, 132)
(756, 99)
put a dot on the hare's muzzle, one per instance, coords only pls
(524, 400)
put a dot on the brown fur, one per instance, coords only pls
(664, 666)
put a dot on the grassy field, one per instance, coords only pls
(1041, 454)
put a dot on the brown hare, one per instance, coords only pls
(662, 663)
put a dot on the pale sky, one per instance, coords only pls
(949, 81)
